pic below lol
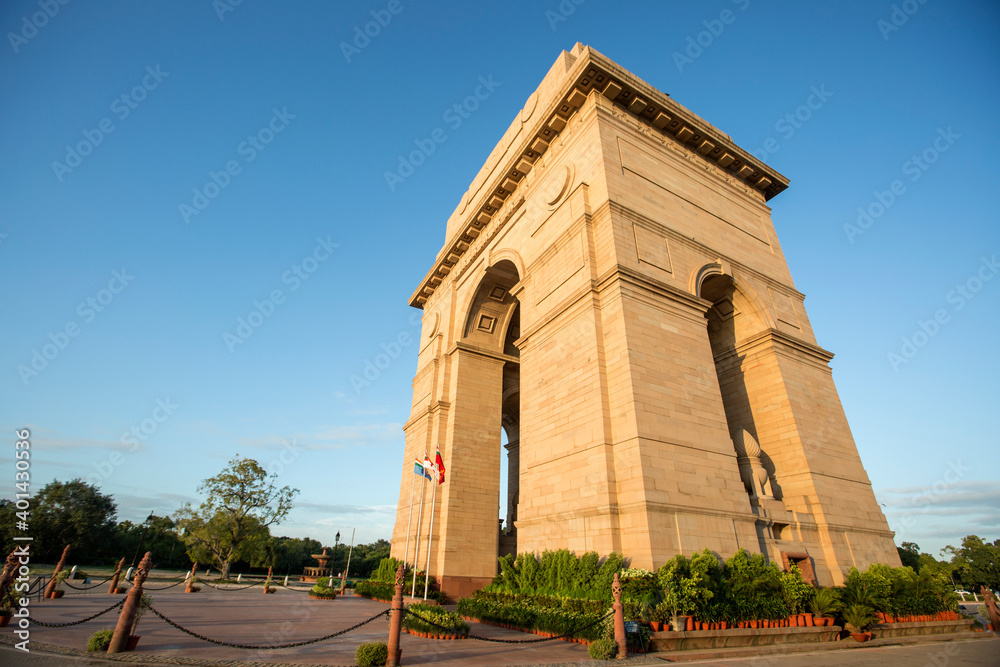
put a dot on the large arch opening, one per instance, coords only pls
(733, 319)
(493, 326)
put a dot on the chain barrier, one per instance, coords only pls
(242, 588)
(163, 588)
(512, 641)
(87, 588)
(266, 647)
(296, 590)
(89, 618)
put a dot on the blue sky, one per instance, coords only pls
(173, 168)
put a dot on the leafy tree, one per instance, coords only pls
(909, 554)
(367, 557)
(976, 562)
(234, 521)
(158, 534)
(62, 513)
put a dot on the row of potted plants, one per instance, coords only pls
(689, 624)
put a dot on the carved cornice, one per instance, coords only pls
(590, 72)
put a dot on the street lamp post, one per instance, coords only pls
(143, 537)
(336, 541)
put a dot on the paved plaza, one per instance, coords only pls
(246, 616)
(249, 617)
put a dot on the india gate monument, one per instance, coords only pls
(612, 296)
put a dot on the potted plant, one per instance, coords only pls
(661, 616)
(647, 605)
(859, 618)
(823, 605)
(133, 639)
(58, 592)
(7, 605)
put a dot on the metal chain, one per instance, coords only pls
(87, 588)
(163, 588)
(296, 590)
(512, 641)
(242, 588)
(89, 618)
(266, 647)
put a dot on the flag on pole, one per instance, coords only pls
(439, 462)
(429, 468)
(422, 468)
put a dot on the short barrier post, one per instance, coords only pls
(113, 588)
(190, 579)
(616, 590)
(396, 624)
(55, 575)
(119, 641)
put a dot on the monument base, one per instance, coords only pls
(456, 588)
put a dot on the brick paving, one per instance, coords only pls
(248, 616)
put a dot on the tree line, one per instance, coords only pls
(230, 529)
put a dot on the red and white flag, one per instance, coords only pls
(439, 464)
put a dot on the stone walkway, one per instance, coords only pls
(248, 616)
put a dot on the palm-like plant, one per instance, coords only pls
(859, 617)
(824, 602)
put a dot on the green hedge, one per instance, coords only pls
(377, 590)
(542, 614)
(451, 622)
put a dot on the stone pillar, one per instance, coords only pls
(616, 590)
(396, 621)
(113, 588)
(59, 566)
(466, 540)
(119, 641)
(513, 481)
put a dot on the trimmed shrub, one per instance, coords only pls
(100, 640)
(603, 649)
(372, 654)
(321, 589)
(376, 590)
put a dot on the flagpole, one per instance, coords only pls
(409, 520)
(430, 533)
(416, 549)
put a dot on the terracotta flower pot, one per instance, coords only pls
(809, 619)
(724, 625)
(753, 625)
(133, 641)
(656, 625)
(4, 620)
(793, 621)
(861, 636)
